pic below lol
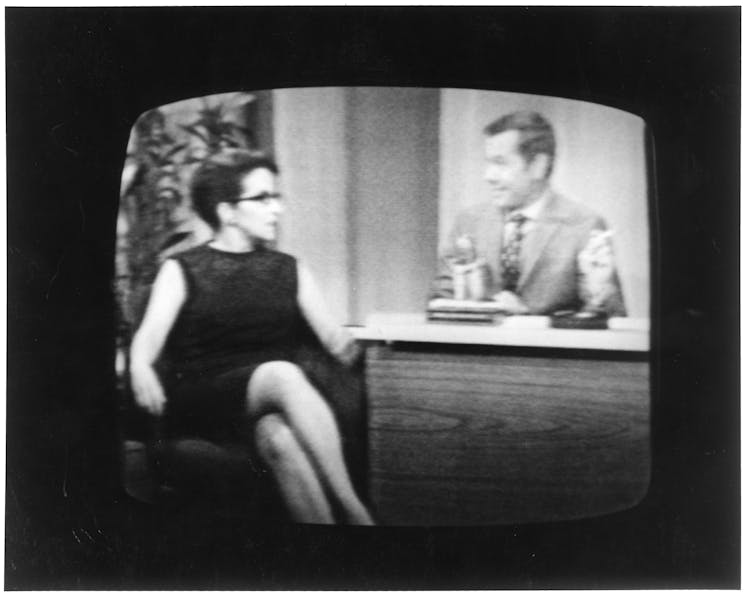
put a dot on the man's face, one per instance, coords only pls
(513, 182)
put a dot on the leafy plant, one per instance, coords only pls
(216, 131)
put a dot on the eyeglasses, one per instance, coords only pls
(264, 197)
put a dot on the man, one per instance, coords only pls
(536, 251)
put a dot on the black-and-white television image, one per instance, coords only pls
(386, 305)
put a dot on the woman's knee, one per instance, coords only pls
(276, 379)
(275, 441)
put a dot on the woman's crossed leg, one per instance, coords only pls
(282, 388)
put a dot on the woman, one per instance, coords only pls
(226, 312)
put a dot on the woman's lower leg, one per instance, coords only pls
(296, 479)
(284, 388)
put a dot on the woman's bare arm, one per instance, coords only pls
(167, 297)
(337, 339)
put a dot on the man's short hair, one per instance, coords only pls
(218, 179)
(537, 135)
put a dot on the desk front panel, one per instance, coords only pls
(475, 438)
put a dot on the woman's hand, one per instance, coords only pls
(347, 350)
(147, 389)
(168, 295)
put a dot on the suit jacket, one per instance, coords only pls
(549, 279)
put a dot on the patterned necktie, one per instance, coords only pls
(510, 257)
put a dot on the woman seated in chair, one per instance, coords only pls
(226, 313)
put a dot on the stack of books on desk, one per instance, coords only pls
(467, 311)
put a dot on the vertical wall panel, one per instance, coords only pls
(392, 140)
(309, 134)
(360, 172)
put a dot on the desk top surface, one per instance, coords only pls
(623, 334)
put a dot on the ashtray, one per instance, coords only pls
(571, 319)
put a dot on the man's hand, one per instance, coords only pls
(510, 303)
(147, 389)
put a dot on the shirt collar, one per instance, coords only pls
(533, 210)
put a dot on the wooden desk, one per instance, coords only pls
(469, 433)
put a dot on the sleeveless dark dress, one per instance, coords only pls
(241, 310)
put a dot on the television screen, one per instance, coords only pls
(371, 183)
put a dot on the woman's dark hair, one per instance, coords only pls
(537, 136)
(218, 179)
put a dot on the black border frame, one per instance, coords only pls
(76, 81)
